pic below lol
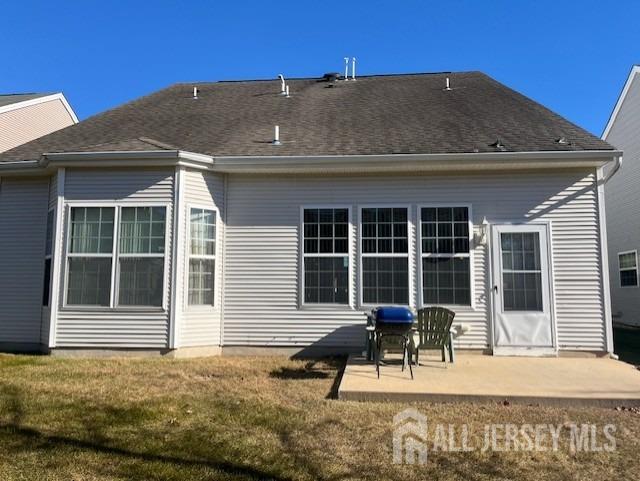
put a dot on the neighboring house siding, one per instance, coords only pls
(622, 197)
(27, 123)
(201, 325)
(23, 221)
(262, 251)
(126, 328)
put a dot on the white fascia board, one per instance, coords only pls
(612, 118)
(47, 98)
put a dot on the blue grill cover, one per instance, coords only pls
(394, 315)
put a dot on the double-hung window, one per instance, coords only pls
(47, 259)
(90, 256)
(202, 256)
(141, 256)
(325, 256)
(445, 257)
(136, 253)
(385, 255)
(628, 265)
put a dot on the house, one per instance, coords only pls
(232, 217)
(24, 117)
(622, 196)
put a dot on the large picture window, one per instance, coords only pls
(326, 256)
(445, 238)
(628, 265)
(385, 255)
(139, 257)
(202, 256)
(90, 254)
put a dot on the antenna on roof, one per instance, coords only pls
(346, 68)
(282, 84)
(448, 85)
(195, 92)
(353, 68)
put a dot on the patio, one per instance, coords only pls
(480, 378)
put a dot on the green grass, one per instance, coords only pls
(250, 419)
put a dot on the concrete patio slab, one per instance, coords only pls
(474, 378)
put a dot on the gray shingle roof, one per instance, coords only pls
(8, 99)
(385, 114)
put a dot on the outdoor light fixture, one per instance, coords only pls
(484, 230)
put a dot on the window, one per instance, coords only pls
(139, 260)
(521, 271)
(385, 255)
(46, 291)
(326, 256)
(628, 264)
(90, 256)
(202, 256)
(141, 256)
(445, 257)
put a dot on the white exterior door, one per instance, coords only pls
(522, 310)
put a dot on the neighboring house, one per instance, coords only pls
(623, 204)
(175, 222)
(24, 117)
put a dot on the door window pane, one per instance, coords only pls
(521, 271)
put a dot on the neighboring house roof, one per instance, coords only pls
(25, 117)
(381, 114)
(635, 70)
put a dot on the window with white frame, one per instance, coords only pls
(325, 255)
(628, 265)
(446, 270)
(141, 256)
(47, 259)
(90, 255)
(385, 255)
(202, 256)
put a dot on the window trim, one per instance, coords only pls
(620, 269)
(187, 256)
(114, 255)
(349, 254)
(471, 255)
(409, 254)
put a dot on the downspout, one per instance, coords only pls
(613, 171)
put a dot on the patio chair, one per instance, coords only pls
(434, 332)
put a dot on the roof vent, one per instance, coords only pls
(331, 78)
(498, 145)
(563, 141)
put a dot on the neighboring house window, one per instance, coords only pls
(628, 263)
(385, 255)
(141, 256)
(326, 256)
(47, 259)
(444, 237)
(202, 256)
(90, 256)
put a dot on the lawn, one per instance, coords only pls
(252, 418)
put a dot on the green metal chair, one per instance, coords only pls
(434, 332)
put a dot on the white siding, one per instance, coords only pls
(126, 328)
(261, 271)
(46, 311)
(23, 221)
(200, 325)
(622, 200)
(27, 123)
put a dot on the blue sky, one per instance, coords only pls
(573, 56)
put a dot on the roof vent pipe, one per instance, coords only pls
(448, 84)
(282, 84)
(346, 68)
(276, 136)
(195, 92)
(286, 92)
(353, 68)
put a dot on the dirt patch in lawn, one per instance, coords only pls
(242, 418)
